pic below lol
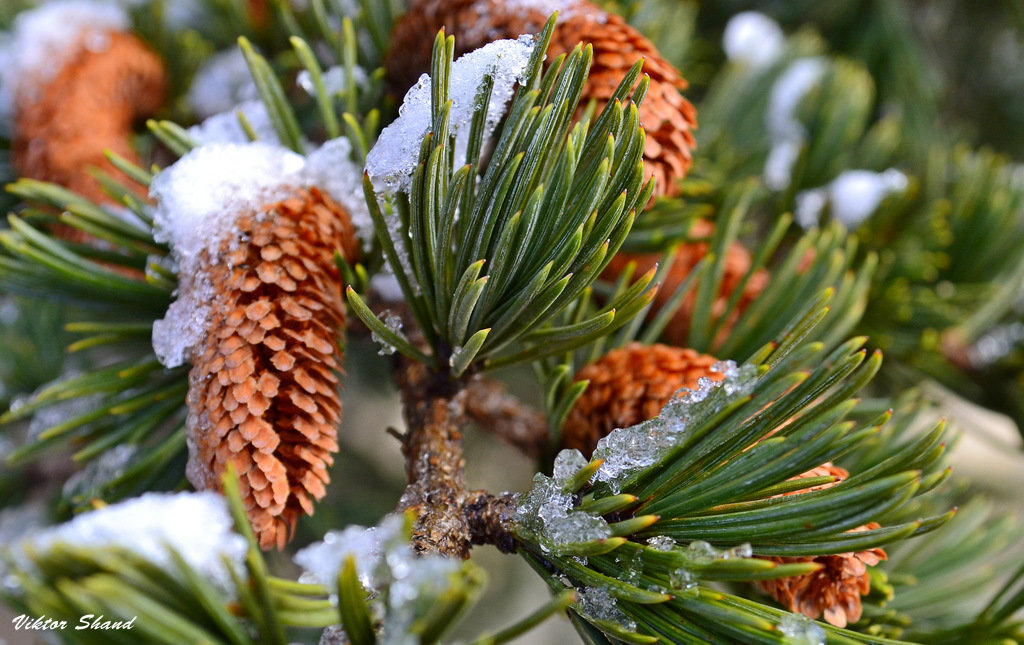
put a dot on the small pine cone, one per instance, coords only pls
(263, 390)
(836, 588)
(63, 125)
(667, 117)
(629, 385)
(737, 264)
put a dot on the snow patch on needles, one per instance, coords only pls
(627, 451)
(385, 562)
(852, 197)
(788, 135)
(43, 39)
(334, 79)
(222, 82)
(196, 525)
(393, 159)
(226, 127)
(198, 200)
(331, 169)
(753, 39)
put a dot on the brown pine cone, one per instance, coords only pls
(667, 117)
(836, 588)
(62, 126)
(629, 385)
(737, 264)
(263, 390)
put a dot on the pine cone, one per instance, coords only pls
(263, 390)
(629, 385)
(62, 126)
(667, 117)
(737, 264)
(836, 588)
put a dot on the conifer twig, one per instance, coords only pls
(435, 411)
(501, 413)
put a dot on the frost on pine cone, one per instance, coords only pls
(666, 116)
(736, 265)
(263, 390)
(62, 125)
(629, 385)
(836, 588)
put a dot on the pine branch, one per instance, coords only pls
(496, 410)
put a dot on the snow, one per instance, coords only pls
(198, 200)
(47, 417)
(99, 472)
(386, 285)
(996, 344)
(333, 78)
(788, 135)
(221, 83)
(385, 562)
(627, 451)
(330, 168)
(197, 525)
(753, 39)
(394, 323)
(852, 197)
(801, 630)
(43, 39)
(227, 128)
(392, 161)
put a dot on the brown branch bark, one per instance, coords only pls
(496, 410)
(434, 412)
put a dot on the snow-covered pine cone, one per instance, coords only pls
(62, 125)
(667, 117)
(736, 265)
(629, 385)
(263, 393)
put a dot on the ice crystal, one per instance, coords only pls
(801, 630)
(753, 39)
(661, 543)
(700, 552)
(567, 464)
(393, 159)
(196, 525)
(597, 603)
(682, 579)
(547, 512)
(627, 451)
(394, 323)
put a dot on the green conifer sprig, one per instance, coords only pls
(555, 202)
(721, 484)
